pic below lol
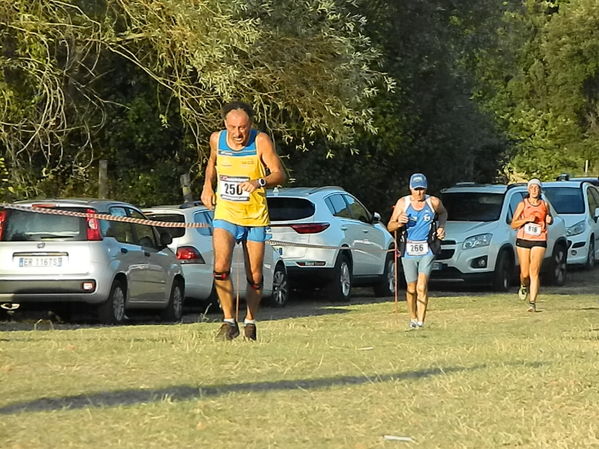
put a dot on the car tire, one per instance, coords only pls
(558, 267)
(386, 286)
(280, 287)
(590, 262)
(174, 309)
(112, 311)
(504, 269)
(340, 287)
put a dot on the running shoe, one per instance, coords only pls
(249, 331)
(227, 331)
(413, 324)
(523, 292)
(532, 306)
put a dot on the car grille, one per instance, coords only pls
(446, 253)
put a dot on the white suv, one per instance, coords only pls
(578, 203)
(479, 246)
(355, 245)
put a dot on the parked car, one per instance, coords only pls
(356, 248)
(479, 246)
(193, 247)
(114, 266)
(578, 203)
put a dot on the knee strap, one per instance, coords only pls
(256, 286)
(221, 276)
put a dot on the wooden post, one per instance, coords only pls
(103, 179)
(186, 188)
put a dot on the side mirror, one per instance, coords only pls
(165, 239)
(376, 218)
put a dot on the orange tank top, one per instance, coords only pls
(536, 230)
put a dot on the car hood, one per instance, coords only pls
(572, 219)
(461, 230)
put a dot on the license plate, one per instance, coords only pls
(40, 262)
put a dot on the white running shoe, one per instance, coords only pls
(523, 292)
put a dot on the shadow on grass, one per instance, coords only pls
(187, 392)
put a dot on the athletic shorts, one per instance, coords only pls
(413, 266)
(243, 233)
(531, 243)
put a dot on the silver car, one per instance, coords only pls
(193, 247)
(113, 265)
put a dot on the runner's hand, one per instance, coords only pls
(208, 198)
(440, 233)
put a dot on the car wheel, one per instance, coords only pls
(340, 286)
(386, 286)
(174, 309)
(280, 287)
(557, 275)
(503, 272)
(112, 311)
(590, 263)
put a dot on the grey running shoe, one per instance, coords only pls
(532, 306)
(413, 324)
(249, 331)
(227, 331)
(523, 292)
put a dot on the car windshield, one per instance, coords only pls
(565, 200)
(24, 226)
(170, 218)
(286, 209)
(473, 206)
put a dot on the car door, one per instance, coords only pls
(203, 243)
(154, 264)
(372, 239)
(128, 255)
(593, 200)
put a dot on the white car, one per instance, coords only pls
(193, 247)
(329, 239)
(479, 244)
(578, 203)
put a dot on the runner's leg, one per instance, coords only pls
(254, 259)
(223, 243)
(536, 260)
(524, 260)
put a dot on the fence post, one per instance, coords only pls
(186, 188)
(103, 179)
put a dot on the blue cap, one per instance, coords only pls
(418, 181)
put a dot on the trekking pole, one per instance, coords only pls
(395, 271)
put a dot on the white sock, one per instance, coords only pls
(246, 321)
(229, 320)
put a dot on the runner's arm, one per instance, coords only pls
(441, 214)
(517, 221)
(394, 222)
(207, 196)
(272, 161)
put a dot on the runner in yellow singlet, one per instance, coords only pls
(242, 164)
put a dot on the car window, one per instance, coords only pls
(23, 226)
(170, 218)
(566, 200)
(472, 206)
(515, 199)
(338, 206)
(121, 231)
(204, 217)
(284, 209)
(144, 234)
(357, 210)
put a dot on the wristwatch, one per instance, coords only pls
(262, 182)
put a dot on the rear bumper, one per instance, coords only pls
(64, 290)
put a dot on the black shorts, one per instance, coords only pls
(531, 243)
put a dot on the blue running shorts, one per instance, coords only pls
(412, 266)
(243, 233)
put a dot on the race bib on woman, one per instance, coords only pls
(416, 248)
(532, 229)
(229, 188)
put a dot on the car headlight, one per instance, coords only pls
(576, 229)
(477, 241)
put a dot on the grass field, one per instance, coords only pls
(484, 373)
